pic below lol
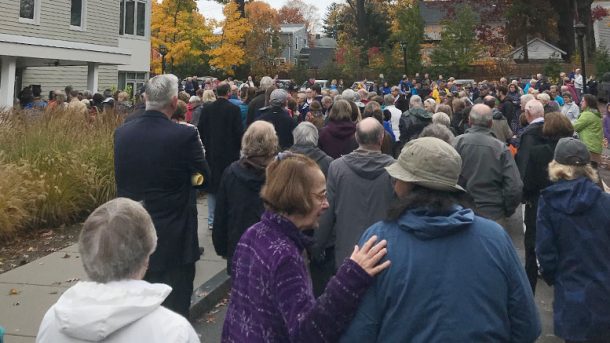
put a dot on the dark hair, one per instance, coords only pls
(316, 88)
(26, 97)
(556, 126)
(503, 90)
(36, 90)
(591, 101)
(440, 202)
(223, 89)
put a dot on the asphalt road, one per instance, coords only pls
(210, 325)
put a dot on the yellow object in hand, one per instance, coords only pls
(197, 179)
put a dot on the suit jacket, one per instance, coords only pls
(154, 160)
(221, 129)
(530, 137)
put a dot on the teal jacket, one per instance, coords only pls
(589, 128)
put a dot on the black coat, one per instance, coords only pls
(154, 160)
(536, 176)
(238, 206)
(221, 129)
(254, 105)
(282, 122)
(530, 137)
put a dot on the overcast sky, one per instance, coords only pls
(213, 10)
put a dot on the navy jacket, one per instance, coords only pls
(154, 160)
(573, 248)
(454, 278)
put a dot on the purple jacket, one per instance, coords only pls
(272, 298)
(337, 138)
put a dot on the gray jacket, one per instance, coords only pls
(489, 173)
(359, 193)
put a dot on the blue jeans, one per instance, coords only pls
(211, 208)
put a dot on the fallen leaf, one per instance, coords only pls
(14, 291)
(31, 249)
(66, 256)
(210, 320)
(54, 292)
(47, 233)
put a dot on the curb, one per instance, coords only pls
(206, 296)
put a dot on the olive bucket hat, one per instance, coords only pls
(430, 163)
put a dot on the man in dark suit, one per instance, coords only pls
(154, 161)
(221, 128)
(532, 136)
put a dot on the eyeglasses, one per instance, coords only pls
(321, 196)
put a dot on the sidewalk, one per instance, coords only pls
(40, 283)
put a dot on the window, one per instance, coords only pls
(133, 17)
(77, 14)
(29, 11)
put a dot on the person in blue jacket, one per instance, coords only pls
(573, 245)
(455, 276)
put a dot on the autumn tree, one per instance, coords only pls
(458, 47)
(178, 25)
(262, 41)
(227, 51)
(290, 15)
(408, 28)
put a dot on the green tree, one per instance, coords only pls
(458, 47)
(527, 19)
(409, 30)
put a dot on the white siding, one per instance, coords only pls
(101, 22)
(51, 78)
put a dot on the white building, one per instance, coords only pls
(88, 44)
(294, 38)
(538, 49)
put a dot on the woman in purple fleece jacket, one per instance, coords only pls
(606, 123)
(272, 299)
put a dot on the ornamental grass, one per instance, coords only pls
(55, 168)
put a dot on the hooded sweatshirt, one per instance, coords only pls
(573, 236)
(119, 311)
(455, 277)
(589, 128)
(337, 138)
(359, 191)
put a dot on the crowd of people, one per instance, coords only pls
(383, 214)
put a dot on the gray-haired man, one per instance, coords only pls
(489, 172)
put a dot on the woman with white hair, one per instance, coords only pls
(116, 305)
(238, 201)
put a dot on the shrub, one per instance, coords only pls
(59, 168)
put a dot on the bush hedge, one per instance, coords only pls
(55, 168)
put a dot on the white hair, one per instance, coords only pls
(116, 241)
(348, 95)
(544, 97)
(415, 101)
(441, 118)
(306, 134)
(535, 108)
(194, 100)
(526, 98)
(160, 91)
(266, 82)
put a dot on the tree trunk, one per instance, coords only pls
(565, 25)
(584, 13)
(241, 6)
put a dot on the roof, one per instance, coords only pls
(532, 41)
(326, 42)
(318, 57)
(431, 13)
(291, 28)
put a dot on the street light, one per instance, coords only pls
(163, 51)
(403, 46)
(581, 30)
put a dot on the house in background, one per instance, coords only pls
(88, 44)
(601, 28)
(323, 53)
(294, 38)
(538, 49)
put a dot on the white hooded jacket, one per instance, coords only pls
(119, 311)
